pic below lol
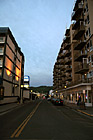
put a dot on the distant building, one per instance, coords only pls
(11, 67)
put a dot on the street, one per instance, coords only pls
(40, 119)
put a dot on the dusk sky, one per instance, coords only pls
(38, 27)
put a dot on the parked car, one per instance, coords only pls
(58, 102)
(53, 100)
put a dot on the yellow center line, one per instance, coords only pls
(23, 124)
(84, 112)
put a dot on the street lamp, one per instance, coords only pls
(65, 91)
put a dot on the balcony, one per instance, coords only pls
(63, 74)
(67, 53)
(68, 69)
(66, 39)
(79, 45)
(79, 56)
(61, 55)
(76, 24)
(68, 61)
(79, 32)
(82, 68)
(67, 46)
(77, 11)
(68, 78)
(63, 67)
(62, 61)
(63, 82)
(87, 80)
(67, 32)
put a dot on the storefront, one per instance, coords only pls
(79, 93)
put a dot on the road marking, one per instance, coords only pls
(85, 113)
(18, 131)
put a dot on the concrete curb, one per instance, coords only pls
(80, 111)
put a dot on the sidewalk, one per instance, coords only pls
(11, 106)
(7, 107)
(87, 111)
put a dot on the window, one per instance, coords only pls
(1, 39)
(90, 44)
(89, 32)
(89, 59)
(88, 19)
(86, 7)
(1, 50)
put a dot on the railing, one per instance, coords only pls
(78, 54)
(67, 39)
(82, 66)
(80, 28)
(67, 52)
(80, 6)
(87, 80)
(67, 60)
(79, 42)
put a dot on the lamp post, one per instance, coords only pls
(65, 91)
(31, 94)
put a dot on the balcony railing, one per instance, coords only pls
(67, 61)
(68, 78)
(82, 68)
(77, 11)
(68, 69)
(86, 80)
(63, 74)
(67, 53)
(79, 32)
(79, 45)
(78, 56)
(76, 24)
(67, 46)
(66, 39)
(62, 55)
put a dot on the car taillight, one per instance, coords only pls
(61, 101)
(57, 101)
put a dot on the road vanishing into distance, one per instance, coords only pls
(41, 120)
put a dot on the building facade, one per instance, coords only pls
(73, 70)
(11, 67)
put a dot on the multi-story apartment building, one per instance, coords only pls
(11, 67)
(76, 72)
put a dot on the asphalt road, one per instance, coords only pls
(42, 120)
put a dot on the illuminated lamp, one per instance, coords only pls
(17, 78)
(8, 72)
(22, 86)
